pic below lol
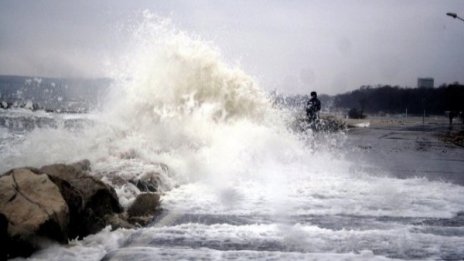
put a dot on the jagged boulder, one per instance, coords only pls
(144, 208)
(148, 182)
(31, 207)
(56, 202)
(60, 202)
(325, 124)
(90, 201)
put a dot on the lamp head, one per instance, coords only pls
(454, 15)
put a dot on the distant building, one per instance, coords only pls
(425, 83)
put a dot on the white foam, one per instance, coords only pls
(362, 124)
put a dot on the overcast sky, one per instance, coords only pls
(292, 46)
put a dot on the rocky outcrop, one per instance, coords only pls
(90, 200)
(144, 208)
(31, 206)
(144, 205)
(60, 202)
(325, 124)
(148, 182)
(56, 202)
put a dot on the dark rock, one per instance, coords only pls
(4, 238)
(83, 165)
(145, 206)
(61, 202)
(89, 199)
(325, 124)
(144, 186)
(119, 221)
(140, 221)
(149, 182)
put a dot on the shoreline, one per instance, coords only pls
(438, 125)
(407, 148)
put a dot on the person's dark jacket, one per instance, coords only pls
(313, 105)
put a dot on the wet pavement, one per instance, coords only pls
(409, 149)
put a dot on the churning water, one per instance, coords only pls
(239, 184)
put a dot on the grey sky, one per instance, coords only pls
(292, 46)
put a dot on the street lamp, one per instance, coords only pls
(454, 15)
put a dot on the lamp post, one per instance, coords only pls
(455, 16)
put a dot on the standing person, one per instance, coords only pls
(451, 115)
(313, 107)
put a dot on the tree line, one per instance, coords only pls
(395, 99)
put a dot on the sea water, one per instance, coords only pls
(239, 183)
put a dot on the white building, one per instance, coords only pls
(425, 83)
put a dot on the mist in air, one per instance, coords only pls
(292, 47)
